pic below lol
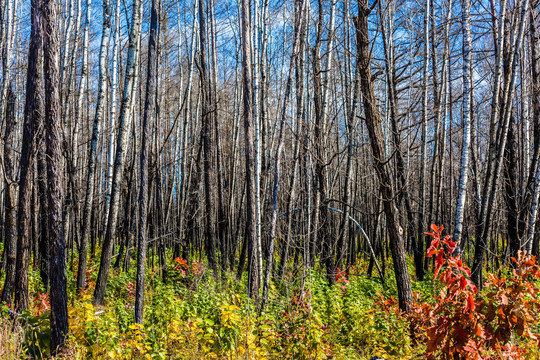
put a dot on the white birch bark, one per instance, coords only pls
(71, 66)
(328, 65)
(257, 131)
(423, 155)
(251, 220)
(124, 125)
(186, 102)
(98, 119)
(273, 222)
(467, 84)
(114, 94)
(495, 109)
(84, 79)
(71, 199)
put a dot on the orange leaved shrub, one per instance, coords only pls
(461, 324)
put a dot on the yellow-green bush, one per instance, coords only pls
(193, 316)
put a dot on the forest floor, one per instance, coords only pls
(193, 316)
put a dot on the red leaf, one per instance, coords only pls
(438, 264)
(439, 261)
(470, 303)
(462, 282)
(432, 251)
(447, 276)
(472, 286)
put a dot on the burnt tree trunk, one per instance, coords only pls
(33, 111)
(373, 121)
(58, 290)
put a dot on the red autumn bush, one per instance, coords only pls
(460, 324)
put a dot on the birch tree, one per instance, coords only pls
(123, 132)
(294, 55)
(98, 120)
(467, 85)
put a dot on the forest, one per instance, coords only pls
(269, 179)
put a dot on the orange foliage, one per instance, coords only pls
(460, 324)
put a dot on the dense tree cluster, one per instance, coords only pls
(275, 137)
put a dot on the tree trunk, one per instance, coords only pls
(320, 92)
(402, 188)
(467, 84)
(149, 104)
(373, 120)
(206, 130)
(270, 260)
(222, 224)
(100, 108)
(58, 292)
(347, 192)
(481, 241)
(114, 86)
(33, 112)
(43, 230)
(418, 240)
(533, 183)
(121, 148)
(10, 237)
(251, 218)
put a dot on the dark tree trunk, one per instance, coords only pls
(129, 215)
(299, 85)
(10, 236)
(321, 204)
(33, 111)
(510, 194)
(43, 231)
(250, 234)
(402, 190)
(149, 111)
(373, 121)
(206, 130)
(58, 291)
(273, 222)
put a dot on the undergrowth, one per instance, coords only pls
(194, 316)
